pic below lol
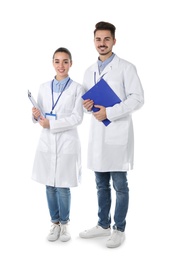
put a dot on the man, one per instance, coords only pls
(111, 147)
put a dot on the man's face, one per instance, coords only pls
(104, 42)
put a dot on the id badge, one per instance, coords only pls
(50, 116)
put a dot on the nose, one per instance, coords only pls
(102, 42)
(61, 65)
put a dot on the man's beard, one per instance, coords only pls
(104, 53)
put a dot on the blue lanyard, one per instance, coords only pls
(54, 105)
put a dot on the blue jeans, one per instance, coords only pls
(59, 200)
(120, 185)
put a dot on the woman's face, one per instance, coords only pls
(61, 64)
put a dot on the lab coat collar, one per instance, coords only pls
(95, 70)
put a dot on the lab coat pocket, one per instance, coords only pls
(117, 132)
(43, 143)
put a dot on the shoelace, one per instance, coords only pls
(63, 230)
(113, 234)
(52, 228)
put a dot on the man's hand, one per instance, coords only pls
(88, 104)
(101, 114)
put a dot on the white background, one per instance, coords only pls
(30, 32)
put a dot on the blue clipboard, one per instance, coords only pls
(103, 95)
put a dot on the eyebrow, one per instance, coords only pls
(108, 37)
(59, 59)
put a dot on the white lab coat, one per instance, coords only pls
(58, 156)
(111, 148)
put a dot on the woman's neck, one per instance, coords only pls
(59, 78)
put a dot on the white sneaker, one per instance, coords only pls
(54, 232)
(64, 235)
(95, 232)
(116, 239)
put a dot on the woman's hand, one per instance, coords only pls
(44, 122)
(36, 113)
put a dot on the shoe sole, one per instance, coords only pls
(93, 236)
(114, 246)
(52, 240)
(64, 240)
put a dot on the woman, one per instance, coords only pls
(57, 162)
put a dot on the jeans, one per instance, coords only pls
(120, 185)
(59, 200)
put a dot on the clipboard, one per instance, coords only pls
(103, 95)
(34, 102)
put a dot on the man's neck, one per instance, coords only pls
(105, 57)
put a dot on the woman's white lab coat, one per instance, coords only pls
(111, 148)
(58, 156)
